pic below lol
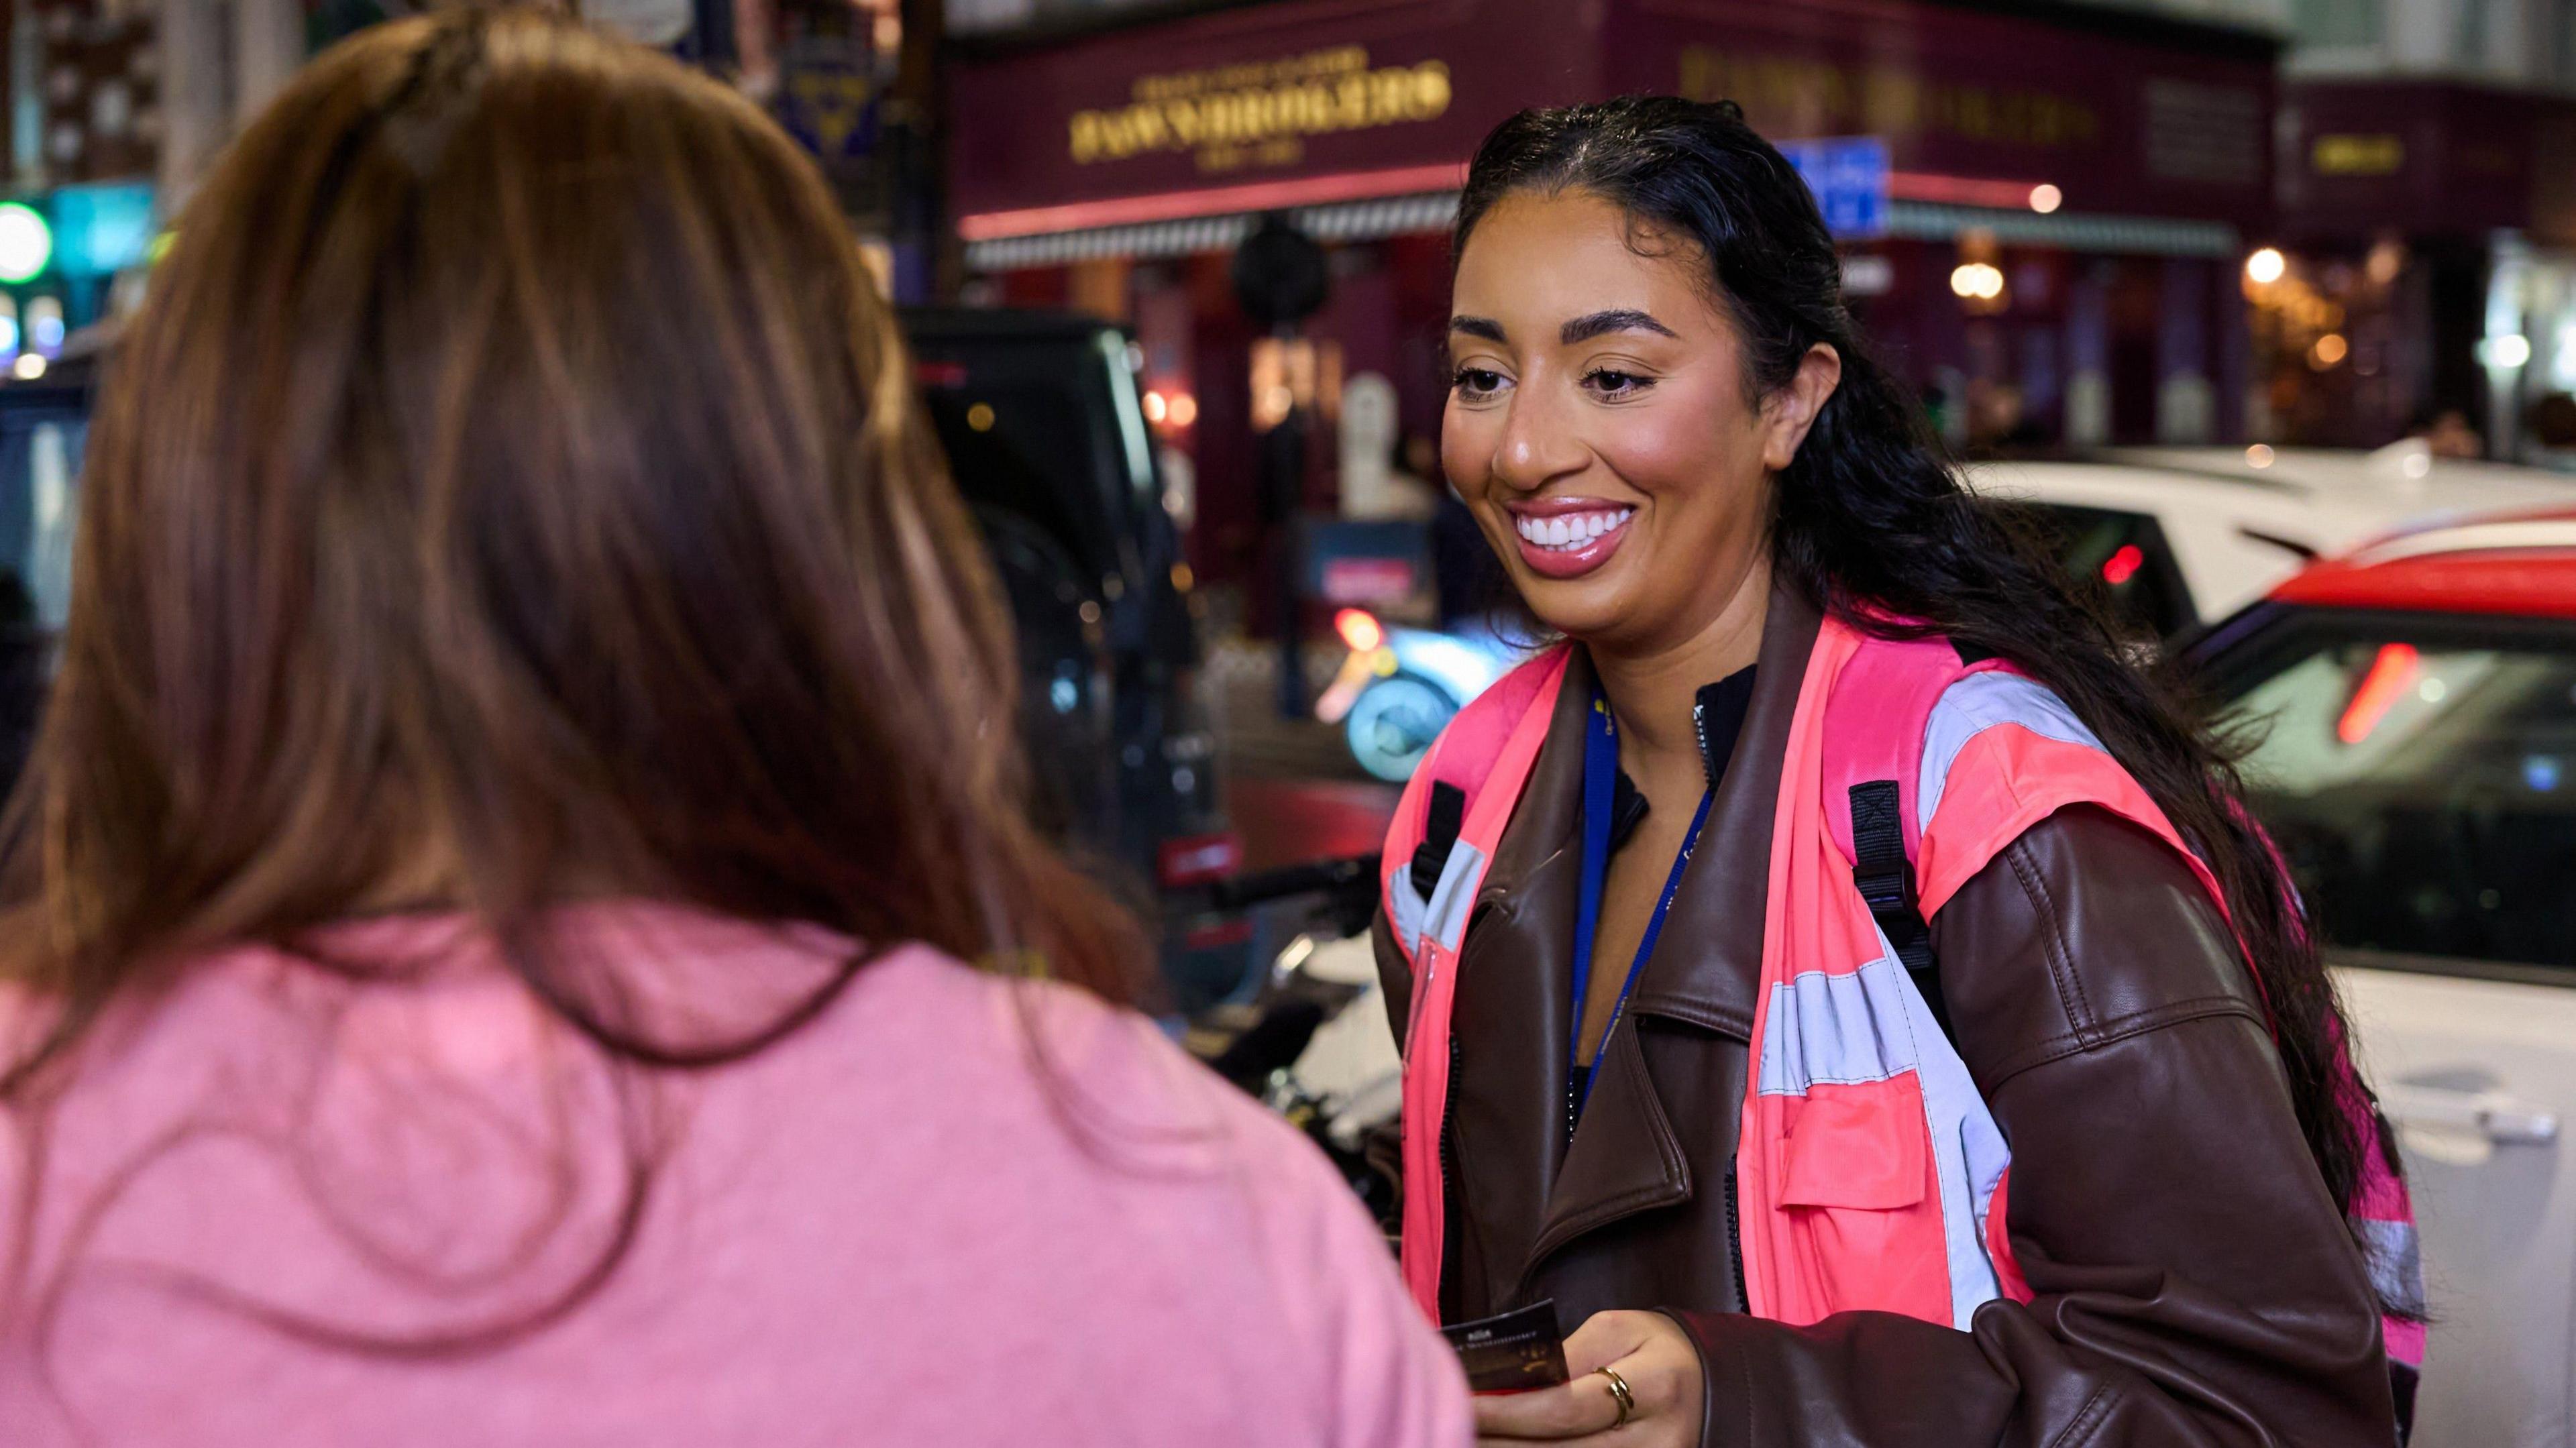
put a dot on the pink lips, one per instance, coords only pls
(1548, 562)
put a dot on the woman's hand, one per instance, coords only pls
(1648, 1351)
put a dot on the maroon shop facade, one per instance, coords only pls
(2429, 234)
(2106, 169)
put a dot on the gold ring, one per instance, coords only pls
(1619, 1394)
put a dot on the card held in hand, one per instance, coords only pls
(1512, 1352)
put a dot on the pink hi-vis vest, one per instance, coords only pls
(1871, 1174)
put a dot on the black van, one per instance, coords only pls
(44, 428)
(1046, 436)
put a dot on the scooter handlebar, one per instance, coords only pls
(1318, 877)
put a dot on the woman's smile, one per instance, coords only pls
(1569, 537)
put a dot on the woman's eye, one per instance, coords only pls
(1610, 382)
(1476, 382)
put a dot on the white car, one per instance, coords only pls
(2186, 536)
(2417, 767)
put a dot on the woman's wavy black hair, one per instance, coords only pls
(1873, 524)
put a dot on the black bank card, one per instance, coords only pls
(1512, 1352)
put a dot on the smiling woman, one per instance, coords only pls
(1585, 435)
(1834, 976)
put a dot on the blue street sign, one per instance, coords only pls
(1848, 175)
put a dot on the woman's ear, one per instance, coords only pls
(1790, 411)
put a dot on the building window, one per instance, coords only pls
(2340, 24)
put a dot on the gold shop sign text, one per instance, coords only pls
(1260, 111)
(1807, 97)
(2364, 155)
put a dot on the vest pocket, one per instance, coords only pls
(1860, 1208)
(1858, 1147)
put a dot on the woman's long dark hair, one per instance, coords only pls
(1873, 524)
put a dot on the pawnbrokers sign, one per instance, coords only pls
(1260, 112)
(1297, 96)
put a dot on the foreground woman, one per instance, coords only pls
(530, 753)
(2080, 1161)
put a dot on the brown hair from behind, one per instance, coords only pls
(513, 493)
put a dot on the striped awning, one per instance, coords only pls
(2131, 235)
(1433, 211)
(1342, 221)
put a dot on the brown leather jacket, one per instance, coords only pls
(2195, 1281)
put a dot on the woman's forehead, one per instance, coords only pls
(1544, 260)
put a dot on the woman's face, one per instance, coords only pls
(1598, 425)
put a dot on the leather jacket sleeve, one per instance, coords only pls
(2195, 1283)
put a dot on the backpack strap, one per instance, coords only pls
(1885, 878)
(1446, 815)
(1873, 741)
(1440, 806)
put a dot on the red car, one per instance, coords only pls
(2416, 708)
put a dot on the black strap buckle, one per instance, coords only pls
(1889, 890)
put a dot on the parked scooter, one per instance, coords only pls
(1401, 686)
(1314, 1044)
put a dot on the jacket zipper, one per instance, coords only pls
(1734, 1219)
(1735, 1242)
(1449, 1213)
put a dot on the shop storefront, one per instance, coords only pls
(2067, 207)
(2429, 263)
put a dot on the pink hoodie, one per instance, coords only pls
(952, 1210)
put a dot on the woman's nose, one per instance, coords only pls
(1537, 445)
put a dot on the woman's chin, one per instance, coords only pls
(1584, 610)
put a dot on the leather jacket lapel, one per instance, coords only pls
(1709, 958)
(1625, 1157)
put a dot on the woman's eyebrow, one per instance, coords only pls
(1618, 319)
(1484, 327)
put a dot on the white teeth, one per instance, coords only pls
(1571, 530)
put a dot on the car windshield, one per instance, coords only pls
(2128, 553)
(1033, 429)
(43, 433)
(40, 457)
(2420, 775)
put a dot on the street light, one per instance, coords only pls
(2045, 198)
(2508, 351)
(26, 242)
(1977, 281)
(2266, 266)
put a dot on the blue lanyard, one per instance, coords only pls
(1600, 786)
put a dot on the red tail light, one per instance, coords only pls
(2389, 675)
(1197, 859)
